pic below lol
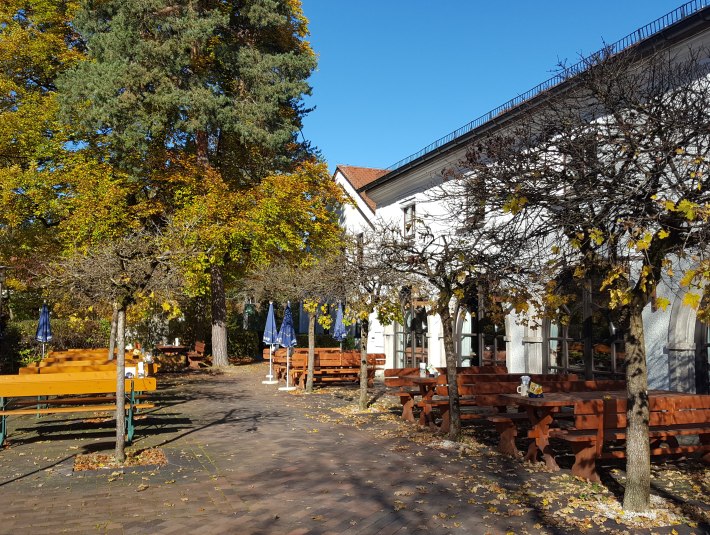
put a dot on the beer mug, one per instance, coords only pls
(523, 390)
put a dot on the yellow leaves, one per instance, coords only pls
(515, 204)
(597, 236)
(619, 297)
(688, 277)
(662, 303)
(643, 243)
(310, 306)
(662, 234)
(614, 274)
(680, 151)
(555, 249)
(691, 299)
(646, 277)
(688, 209)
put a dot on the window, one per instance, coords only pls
(583, 340)
(410, 219)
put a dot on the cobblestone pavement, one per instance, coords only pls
(246, 458)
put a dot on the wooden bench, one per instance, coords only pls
(74, 366)
(398, 382)
(332, 367)
(599, 430)
(70, 393)
(479, 394)
(196, 358)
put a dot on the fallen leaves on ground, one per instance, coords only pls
(96, 461)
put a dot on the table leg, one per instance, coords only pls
(426, 417)
(540, 432)
(407, 408)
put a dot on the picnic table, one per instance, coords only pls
(176, 351)
(427, 390)
(600, 419)
(399, 383)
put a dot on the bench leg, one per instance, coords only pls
(3, 423)
(585, 465)
(506, 444)
(705, 441)
(130, 428)
(407, 408)
(445, 421)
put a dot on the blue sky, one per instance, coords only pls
(395, 75)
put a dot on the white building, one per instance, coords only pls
(676, 343)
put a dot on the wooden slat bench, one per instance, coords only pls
(76, 366)
(599, 429)
(71, 393)
(398, 382)
(479, 394)
(507, 424)
(331, 365)
(196, 358)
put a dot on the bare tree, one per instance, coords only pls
(605, 184)
(444, 263)
(371, 287)
(315, 285)
(118, 272)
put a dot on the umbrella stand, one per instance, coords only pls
(288, 373)
(270, 377)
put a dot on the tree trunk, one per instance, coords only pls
(120, 453)
(450, 352)
(112, 336)
(364, 333)
(219, 319)
(311, 350)
(637, 495)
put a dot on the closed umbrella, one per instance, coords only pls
(340, 333)
(270, 335)
(287, 338)
(44, 329)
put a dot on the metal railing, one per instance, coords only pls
(652, 28)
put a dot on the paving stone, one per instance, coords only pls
(244, 458)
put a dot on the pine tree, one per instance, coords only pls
(222, 81)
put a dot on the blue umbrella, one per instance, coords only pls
(339, 331)
(270, 335)
(287, 338)
(44, 329)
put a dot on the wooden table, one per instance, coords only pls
(174, 351)
(427, 389)
(541, 413)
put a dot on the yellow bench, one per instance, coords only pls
(14, 389)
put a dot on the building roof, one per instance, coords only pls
(360, 177)
(689, 18)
